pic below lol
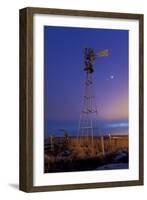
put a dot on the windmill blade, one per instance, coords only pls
(102, 53)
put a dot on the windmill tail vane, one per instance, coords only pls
(102, 53)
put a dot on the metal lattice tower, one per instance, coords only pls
(89, 108)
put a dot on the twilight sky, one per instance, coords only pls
(64, 76)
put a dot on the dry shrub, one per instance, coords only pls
(84, 148)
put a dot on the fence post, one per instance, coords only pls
(52, 143)
(102, 143)
(110, 142)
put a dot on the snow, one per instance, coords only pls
(113, 166)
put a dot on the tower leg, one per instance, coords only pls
(89, 112)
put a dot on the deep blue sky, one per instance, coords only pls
(64, 75)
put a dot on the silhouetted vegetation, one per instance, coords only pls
(72, 154)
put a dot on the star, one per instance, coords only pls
(112, 77)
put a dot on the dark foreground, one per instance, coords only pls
(67, 155)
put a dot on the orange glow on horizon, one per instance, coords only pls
(117, 109)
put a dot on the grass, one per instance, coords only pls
(72, 154)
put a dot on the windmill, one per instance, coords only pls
(89, 108)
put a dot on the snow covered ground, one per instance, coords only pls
(120, 161)
(113, 166)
